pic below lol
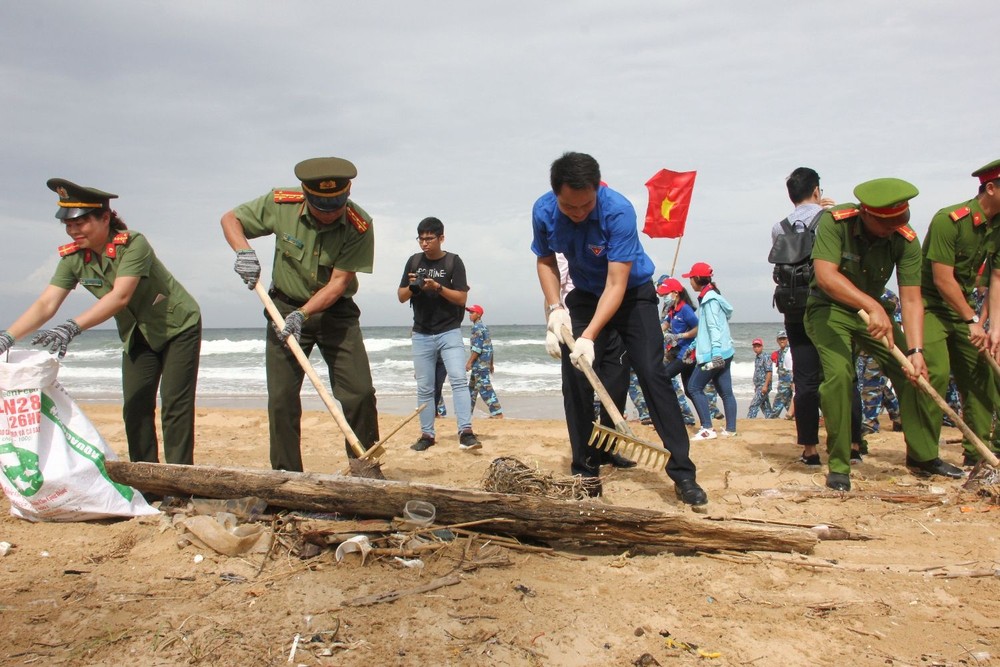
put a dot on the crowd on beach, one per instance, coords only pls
(613, 327)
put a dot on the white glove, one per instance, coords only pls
(558, 319)
(552, 345)
(584, 349)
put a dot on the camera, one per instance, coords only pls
(417, 284)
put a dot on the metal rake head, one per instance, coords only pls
(644, 453)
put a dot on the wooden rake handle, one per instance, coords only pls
(609, 405)
(926, 387)
(317, 383)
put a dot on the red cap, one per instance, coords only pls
(669, 285)
(475, 309)
(757, 341)
(699, 270)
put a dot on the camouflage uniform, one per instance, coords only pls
(873, 385)
(638, 400)
(876, 393)
(783, 394)
(761, 399)
(480, 383)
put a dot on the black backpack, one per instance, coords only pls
(791, 255)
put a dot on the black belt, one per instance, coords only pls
(276, 293)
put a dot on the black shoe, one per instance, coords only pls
(425, 442)
(838, 481)
(646, 421)
(619, 461)
(934, 467)
(811, 461)
(468, 440)
(690, 493)
(897, 426)
(856, 457)
(863, 447)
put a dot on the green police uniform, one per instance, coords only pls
(868, 263)
(963, 237)
(305, 255)
(161, 330)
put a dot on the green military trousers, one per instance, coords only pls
(174, 371)
(337, 333)
(832, 330)
(947, 350)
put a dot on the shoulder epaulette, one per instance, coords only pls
(121, 238)
(357, 220)
(288, 197)
(906, 232)
(844, 214)
(68, 249)
(73, 248)
(959, 213)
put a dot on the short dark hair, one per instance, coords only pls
(801, 184)
(430, 225)
(995, 182)
(577, 170)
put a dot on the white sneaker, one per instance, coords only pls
(705, 434)
(727, 434)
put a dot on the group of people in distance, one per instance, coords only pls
(323, 239)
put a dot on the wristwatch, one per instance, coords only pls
(973, 320)
(554, 307)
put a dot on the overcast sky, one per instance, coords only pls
(457, 109)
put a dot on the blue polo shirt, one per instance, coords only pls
(608, 234)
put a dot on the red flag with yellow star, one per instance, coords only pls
(669, 200)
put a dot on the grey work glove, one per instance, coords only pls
(293, 326)
(6, 341)
(58, 338)
(247, 266)
(716, 362)
(670, 340)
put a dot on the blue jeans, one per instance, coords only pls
(451, 348)
(722, 378)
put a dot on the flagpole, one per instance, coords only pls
(677, 252)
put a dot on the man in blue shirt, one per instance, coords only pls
(594, 227)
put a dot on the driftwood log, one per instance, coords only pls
(521, 515)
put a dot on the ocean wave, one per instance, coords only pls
(226, 346)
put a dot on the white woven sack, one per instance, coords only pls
(51, 456)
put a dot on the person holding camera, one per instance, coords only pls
(434, 283)
(713, 352)
(322, 240)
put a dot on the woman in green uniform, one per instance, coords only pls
(158, 321)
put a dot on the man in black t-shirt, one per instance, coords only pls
(434, 283)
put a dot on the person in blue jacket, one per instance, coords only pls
(714, 352)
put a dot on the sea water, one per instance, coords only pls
(231, 372)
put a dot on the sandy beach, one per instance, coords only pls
(913, 588)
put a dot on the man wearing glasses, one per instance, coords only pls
(434, 283)
(322, 239)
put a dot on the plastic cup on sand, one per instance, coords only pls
(419, 512)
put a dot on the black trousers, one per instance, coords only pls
(807, 374)
(637, 326)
